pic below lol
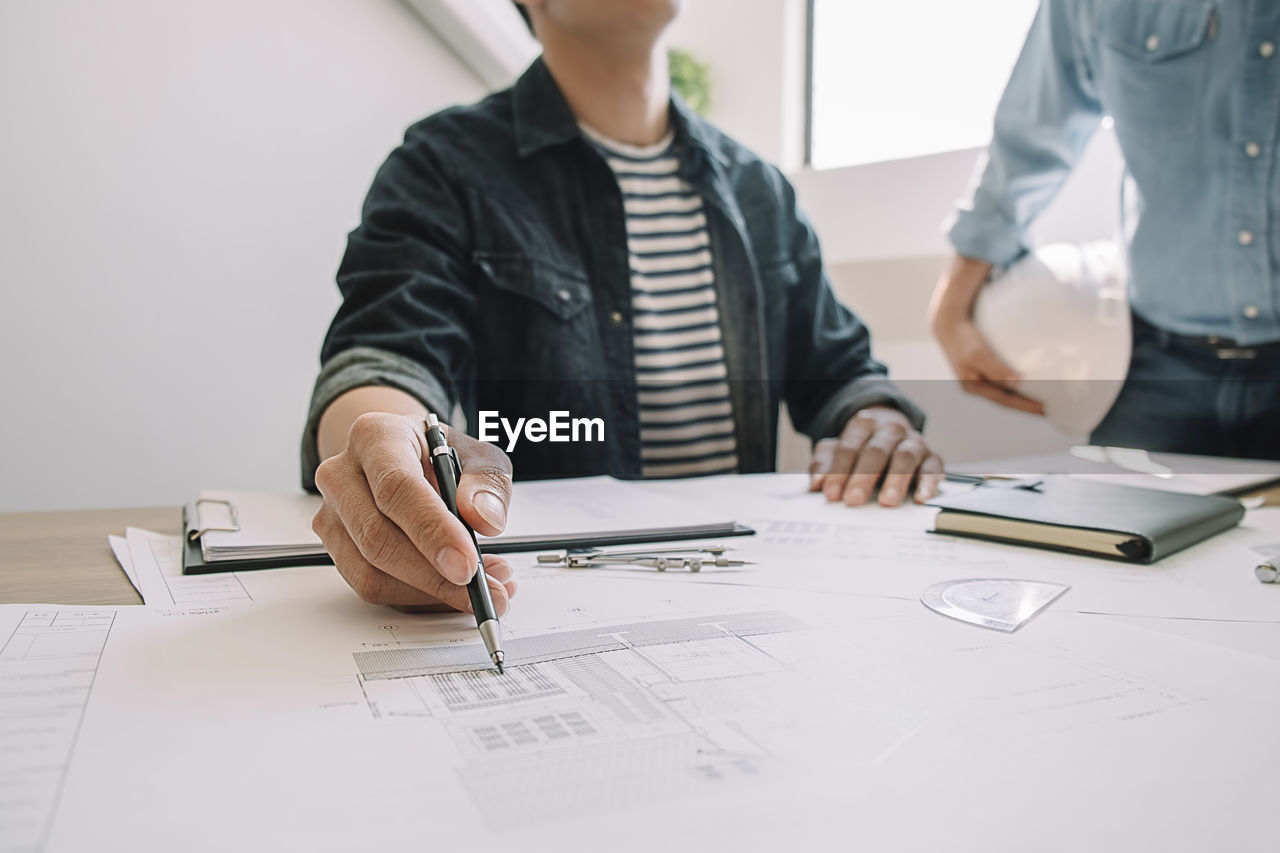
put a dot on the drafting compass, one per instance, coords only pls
(691, 558)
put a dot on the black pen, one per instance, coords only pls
(444, 461)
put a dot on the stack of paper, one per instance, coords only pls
(257, 525)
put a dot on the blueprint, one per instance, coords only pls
(48, 664)
(303, 716)
(805, 700)
(592, 719)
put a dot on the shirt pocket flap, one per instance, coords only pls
(563, 291)
(1156, 30)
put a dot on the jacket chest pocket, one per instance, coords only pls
(534, 319)
(1154, 63)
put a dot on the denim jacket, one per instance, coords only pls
(490, 272)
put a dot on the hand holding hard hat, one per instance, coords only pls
(1059, 317)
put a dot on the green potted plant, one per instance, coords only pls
(691, 79)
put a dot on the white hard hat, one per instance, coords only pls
(1059, 317)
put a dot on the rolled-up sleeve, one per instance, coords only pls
(1046, 116)
(407, 301)
(362, 367)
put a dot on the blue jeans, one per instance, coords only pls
(1181, 397)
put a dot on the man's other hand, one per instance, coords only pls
(975, 364)
(387, 529)
(877, 444)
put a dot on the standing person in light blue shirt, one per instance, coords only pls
(1194, 90)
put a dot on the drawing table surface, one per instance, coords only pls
(63, 557)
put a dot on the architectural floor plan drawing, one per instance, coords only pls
(597, 718)
(47, 668)
(456, 657)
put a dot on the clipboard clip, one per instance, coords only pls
(234, 527)
(662, 559)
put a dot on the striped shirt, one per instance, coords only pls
(686, 416)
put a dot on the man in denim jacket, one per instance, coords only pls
(581, 243)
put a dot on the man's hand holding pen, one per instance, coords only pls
(394, 540)
(389, 532)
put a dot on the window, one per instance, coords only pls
(892, 80)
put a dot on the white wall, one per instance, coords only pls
(756, 54)
(896, 209)
(176, 183)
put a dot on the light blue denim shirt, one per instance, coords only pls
(1194, 89)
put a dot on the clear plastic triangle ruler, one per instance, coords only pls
(1001, 604)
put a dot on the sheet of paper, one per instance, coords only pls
(1121, 466)
(48, 663)
(120, 548)
(647, 708)
(890, 552)
(743, 708)
(1260, 532)
(270, 523)
(280, 524)
(1255, 638)
(157, 561)
(595, 504)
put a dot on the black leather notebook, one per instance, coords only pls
(1097, 519)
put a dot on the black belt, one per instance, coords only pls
(1225, 348)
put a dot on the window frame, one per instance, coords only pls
(809, 75)
(810, 8)
(914, 193)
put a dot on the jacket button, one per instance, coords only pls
(616, 318)
(563, 295)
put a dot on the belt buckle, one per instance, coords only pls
(1227, 349)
